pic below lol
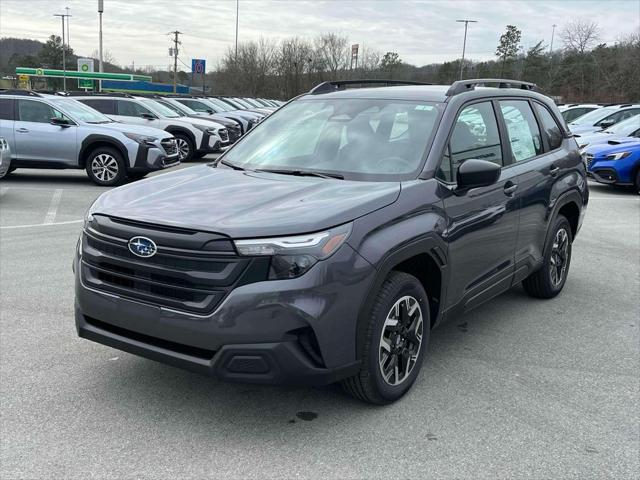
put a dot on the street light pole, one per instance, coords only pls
(553, 31)
(237, 11)
(100, 10)
(464, 44)
(64, 59)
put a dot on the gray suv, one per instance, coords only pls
(327, 243)
(47, 131)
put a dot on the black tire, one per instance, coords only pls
(11, 169)
(137, 175)
(543, 283)
(186, 148)
(105, 167)
(199, 155)
(369, 385)
(637, 182)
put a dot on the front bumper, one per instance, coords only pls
(149, 159)
(300, 331)
(209, 143)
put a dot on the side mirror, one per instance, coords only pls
(474, 173)
(148, 116)
(61, 122)
(606, 123)
(210, 112)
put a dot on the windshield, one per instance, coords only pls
(593, 116)
(159, 109)
(81, 112)
(625, 127)
(360, 139)
(178, 108)
(242, 102)
(225, 107)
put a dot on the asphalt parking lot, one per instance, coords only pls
(517, 388)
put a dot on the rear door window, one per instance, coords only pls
(550, 128)
(6, 108)
(522, 129)
(103, 105)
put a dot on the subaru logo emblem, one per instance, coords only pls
(142, 247)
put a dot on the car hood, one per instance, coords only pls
(615, 146)
(244, 204)
(583, 129)
(195, 121)
(129, 128)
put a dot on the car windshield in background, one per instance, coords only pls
(219, 104)
(593, 116)
(80, 111)
(359, 139)
(625, 127)
(159, 109)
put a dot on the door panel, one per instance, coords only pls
(482, 223)
(36, 140)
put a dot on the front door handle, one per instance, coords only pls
(554, 171)
(22, 130)
(510, 188)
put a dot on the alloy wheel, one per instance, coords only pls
(559, 257)
(104, 167)
(400, 340)
(183, 148)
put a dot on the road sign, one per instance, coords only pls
(198, 66)
(85, 65)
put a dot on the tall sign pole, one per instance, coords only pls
(100, 68)
(464, 44)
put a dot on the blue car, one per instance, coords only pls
(616, 162)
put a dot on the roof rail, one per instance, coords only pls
(22, 93)
(462, 86)
(333, 86)
(94, 94)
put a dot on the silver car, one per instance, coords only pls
(5, 157)
(48, 131)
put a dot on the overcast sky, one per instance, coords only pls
(421, 32)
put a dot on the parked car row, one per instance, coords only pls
(117, 136)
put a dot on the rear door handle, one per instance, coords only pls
(554, 171)
(22, 130)
(510, 188)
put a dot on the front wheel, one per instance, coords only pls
(396, 338)
(105, 167)
(637, 183)
(549, 280)
(185, 147)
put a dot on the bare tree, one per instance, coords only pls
(580, 35)
(107, 57)
(332, 52)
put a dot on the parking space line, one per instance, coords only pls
(53, 206)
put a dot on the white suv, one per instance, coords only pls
(195, 137)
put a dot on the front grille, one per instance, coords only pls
(181, 275)
(588, 159)
(224, 136)
(170, 146)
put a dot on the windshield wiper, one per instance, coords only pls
(302, 173)
(230, 165)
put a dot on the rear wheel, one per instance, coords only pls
(137, 175)
(549, 280)
(185, 147)
(395, 343)
(105, 167)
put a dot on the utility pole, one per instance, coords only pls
(64, 57)
(100, 10)
(175, 59)
(464, 44)
(553, 31)
(237, 11)
(68, 32)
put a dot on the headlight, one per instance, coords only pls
(209, 130)
(295, 255)
(617, 156)
(142, 139)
